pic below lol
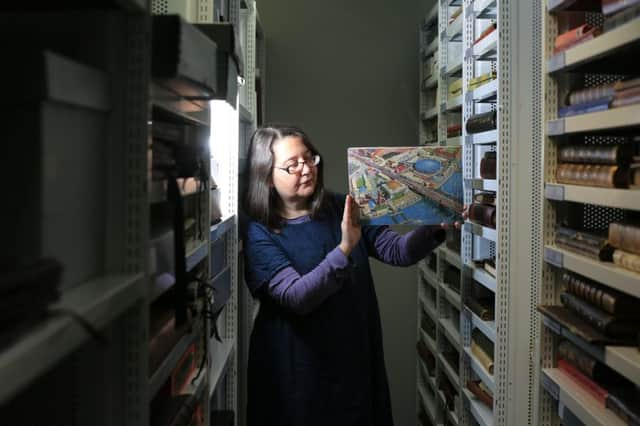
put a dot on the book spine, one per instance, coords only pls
(578, 246)
(593, 175)
(597, 318)
(483, 341)
(482, 356)
(481, 122)
(483, 214)
(596, 294)
(484, 198)
(590, 94)
(627, 260)
(571, 36)
(612, 155)
(620, 102)
(585, 383)
(484, 397)
(578, 358)
(491, 28)
(488, 168)
(483, 312)
(595, 106)
(621, 18)
(625, 237)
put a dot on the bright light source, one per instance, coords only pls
(223, 144)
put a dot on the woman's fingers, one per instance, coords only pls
(346, 214)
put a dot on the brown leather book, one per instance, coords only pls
(482, 307)
(597, 154)
(599, 175)
(625, 329)
(625, 237)
(488, 165)
(585, 243)
(578, 326)
(484, 397)
(609, 300)
(483, 214)
(627, 260)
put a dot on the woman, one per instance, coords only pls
(315, 354)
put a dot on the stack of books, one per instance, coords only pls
(590, 244)
(609, 388)
(625, 239)
(598, 314)
(608, 166)
(600, 98)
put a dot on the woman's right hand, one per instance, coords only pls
(350, 226)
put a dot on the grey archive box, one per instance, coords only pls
(229, 59)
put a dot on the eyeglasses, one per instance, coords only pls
(298, 166)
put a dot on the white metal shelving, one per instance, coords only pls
(480, 371)
(587, 64)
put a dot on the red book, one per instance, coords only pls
(575, 36)
(585, 383)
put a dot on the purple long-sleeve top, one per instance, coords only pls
(303, 293)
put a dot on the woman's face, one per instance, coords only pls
(297, 187)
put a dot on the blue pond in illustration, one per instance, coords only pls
(427, 166)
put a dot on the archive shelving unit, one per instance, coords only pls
(512, 51)
(429, 75)
(88, 126)
(601, 60)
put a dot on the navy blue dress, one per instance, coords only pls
(327, 367)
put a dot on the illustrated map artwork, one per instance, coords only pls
(406, 185)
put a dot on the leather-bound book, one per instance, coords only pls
(591, 387)
(478, 392)
(484, 214)
(599, 175)
(634, 176)
(485, 198)
(625, 237)
(482, 348)
(596, 154)
(427, 357)
(482, 122)
(482, 307)
(454, 130)
(580, 327)
(589, 366)
(609, 300)
(608, 324)
(627, 260)
(585, 243)
(488, 165)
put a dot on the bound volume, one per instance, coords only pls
(589, 366)
(609, 300)
(485, 198)
(483, 308)
(627, 260)
(482, 122)
(625, 237)
(578, 326)
(584, 243)
(485, 397)
(593, 175)
(488, 165)
(483, 214)
(482, 348)
(623, 328)
(612, 154)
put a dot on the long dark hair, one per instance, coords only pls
(262, 202)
